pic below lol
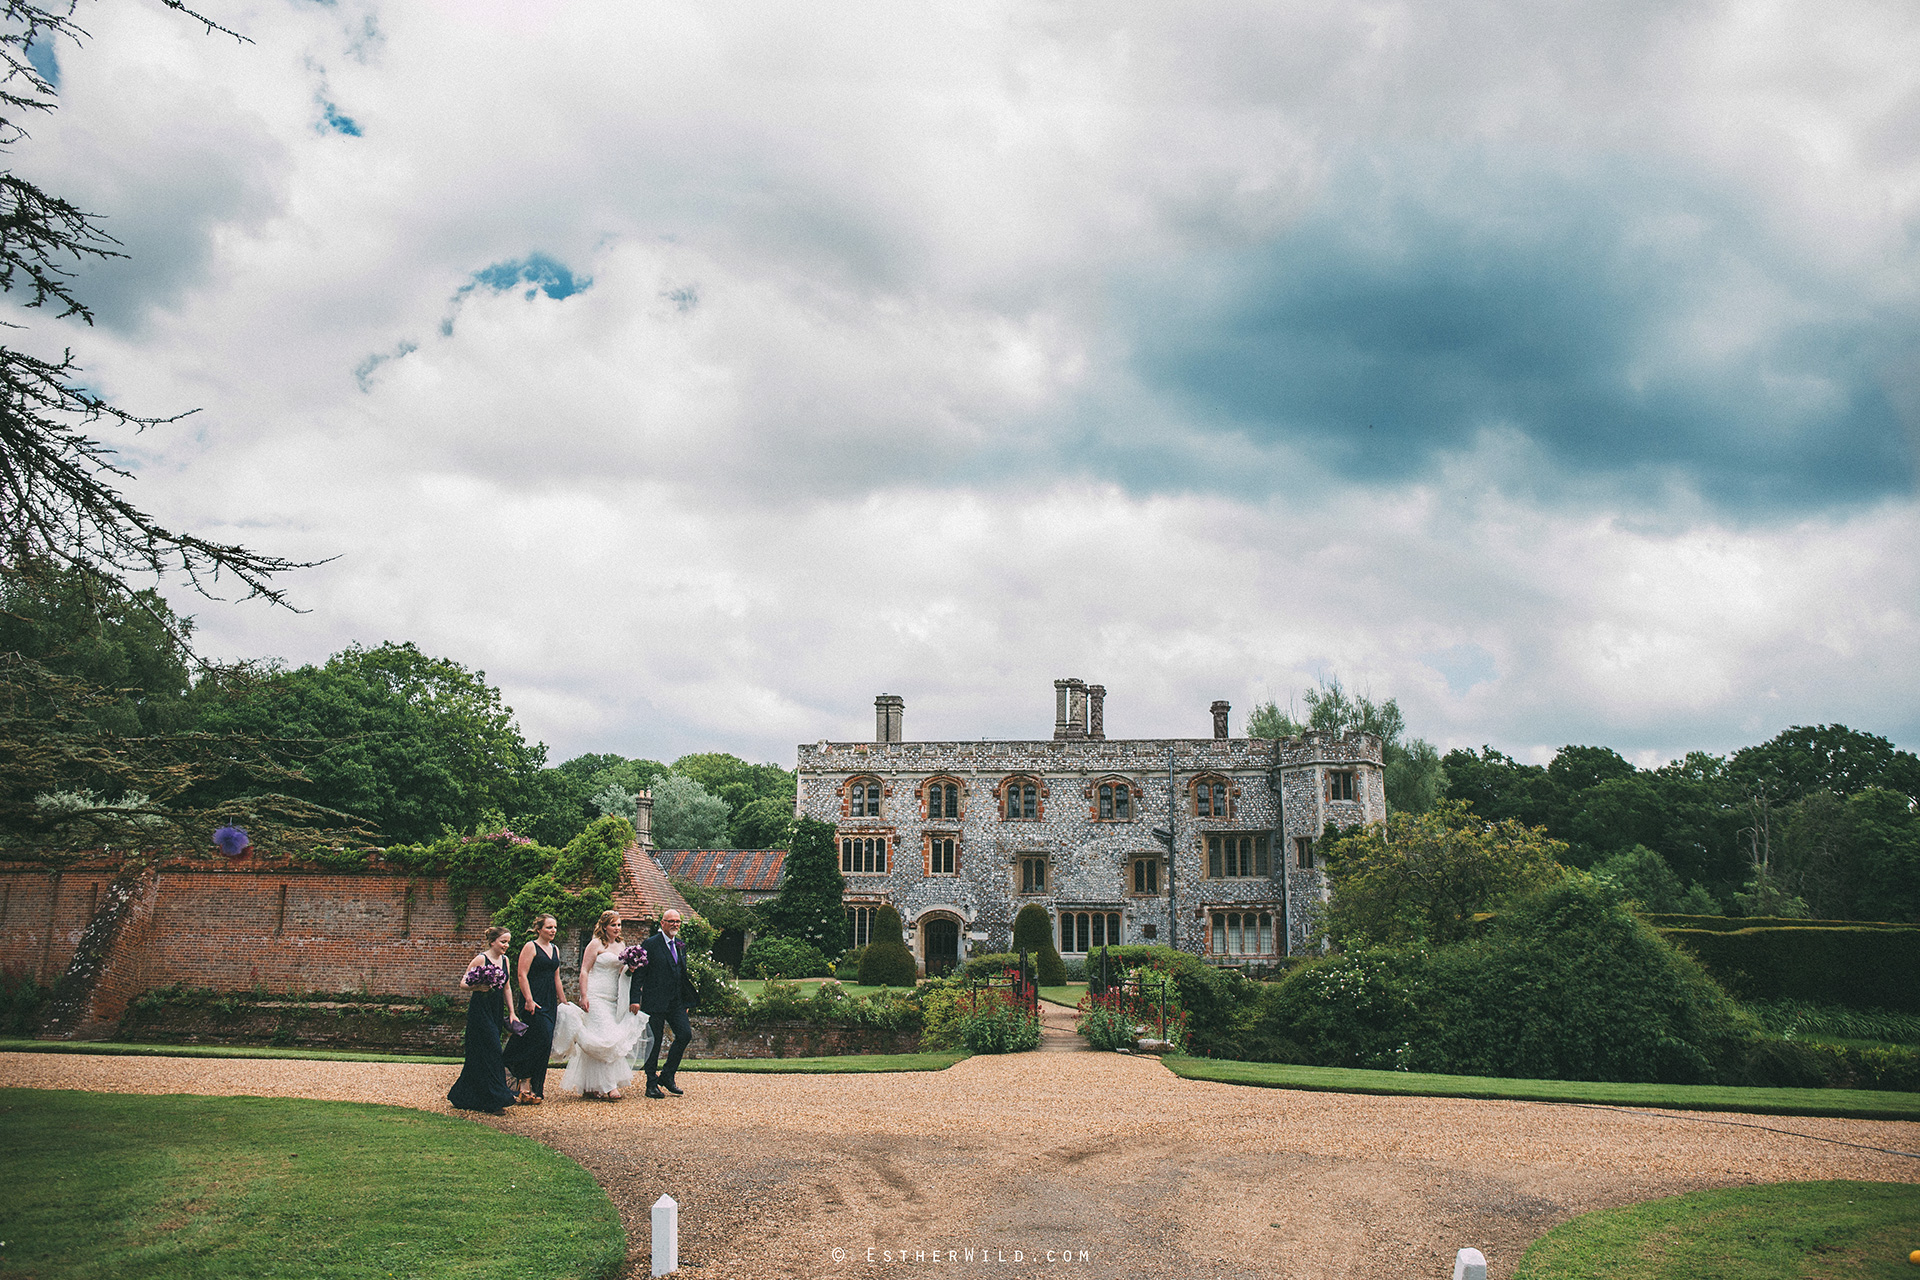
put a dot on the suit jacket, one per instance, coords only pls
(666, 984)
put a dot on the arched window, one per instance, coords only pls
(1020, 799)
(943, 800)
(1212, 797)
(863, 798)
(1113, 800)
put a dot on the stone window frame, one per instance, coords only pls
(1229, 791)
(1303, 854)
(1080, 920)
(925, 794)
(1155, 864)
(1221, 921)
(854, 908)
(874, 790)
(1258, 852)
(1012, 780)
(885, 854)
(929, 842)
(1343, 786)
(1023, 885)
(1136, 798)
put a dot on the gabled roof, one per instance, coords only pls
(745, 870)
(644, 893)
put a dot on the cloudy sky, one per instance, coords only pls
(701, 371)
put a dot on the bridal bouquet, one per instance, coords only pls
(492, 977)
(635, 958)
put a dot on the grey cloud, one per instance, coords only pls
(1632, 324)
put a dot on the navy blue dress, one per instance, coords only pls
(527, 1053)
(482, 1085)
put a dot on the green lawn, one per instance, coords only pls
(1861, 1104)
(843, 1064)
(110, 1047)
(754, 986)
(111, 1185)
(1778, 1232)
(1068, 995)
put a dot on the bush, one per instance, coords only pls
(783, 958)
(1848, 964)
(1033, 933)
(943, 1013)
(1566, 985)
(991, 965)
(887, 962)
(831, 1006)
(849, 963)
(22, 1002)
(720, 996)
(1797, 1019)
(995, 1025)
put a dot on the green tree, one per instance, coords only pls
(809, 905)
(409, 743)
(1415, 774)
(762, 824)
(1803, 760)
(1423, 877)
(1033, 933)
(1500, 787)
(1642, 876)
(685, 816)
(129, 644)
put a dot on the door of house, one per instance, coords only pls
(942, 945)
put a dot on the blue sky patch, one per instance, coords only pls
(44, 60)
(333, 121)
(537, 271)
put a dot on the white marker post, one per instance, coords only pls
(666, 1237)
(1468, 1264)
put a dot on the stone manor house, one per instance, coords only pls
(958, 836)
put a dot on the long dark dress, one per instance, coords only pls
(482, 1085)
(528, 1052)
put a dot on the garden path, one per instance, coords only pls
(799, 1176)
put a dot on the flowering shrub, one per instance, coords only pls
(996, 1024)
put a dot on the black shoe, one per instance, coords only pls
(653, 1091)
(666, 1082)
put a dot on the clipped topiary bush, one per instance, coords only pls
(783, 958)
(887, 962)
(1033, 933)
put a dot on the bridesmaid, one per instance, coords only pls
(482, 1085)
(540, 997)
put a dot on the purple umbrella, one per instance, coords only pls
(232, 841)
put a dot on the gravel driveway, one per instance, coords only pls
(1032, 1160)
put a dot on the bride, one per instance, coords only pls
(598, 1037)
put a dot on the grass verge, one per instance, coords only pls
(850, 1064)
(113, 1048)
(844, 1064)
(1068, 995)
(1787, 1229)
(109, 1185)
(1858, 1104)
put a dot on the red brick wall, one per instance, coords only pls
(238, 928)
(43, 914)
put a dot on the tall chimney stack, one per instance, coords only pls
(1220, 710)
(1076, 708)
(889, 709)
(1096, 717)
(1059, 709)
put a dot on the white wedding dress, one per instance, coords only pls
(602, 1045)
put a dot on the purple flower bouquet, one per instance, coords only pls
(491, 976)
(634, 958)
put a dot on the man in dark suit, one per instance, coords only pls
(666, 997)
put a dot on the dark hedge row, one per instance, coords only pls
(1851, 965)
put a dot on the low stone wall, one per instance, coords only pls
(439, 1027)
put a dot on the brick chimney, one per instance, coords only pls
(1220, 711)
(888, 711)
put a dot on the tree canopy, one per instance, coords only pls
(1414, 775)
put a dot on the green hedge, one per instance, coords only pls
(1852, 965)
(1731, 924)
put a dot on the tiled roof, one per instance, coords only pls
(747, 870)
(644, 893)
